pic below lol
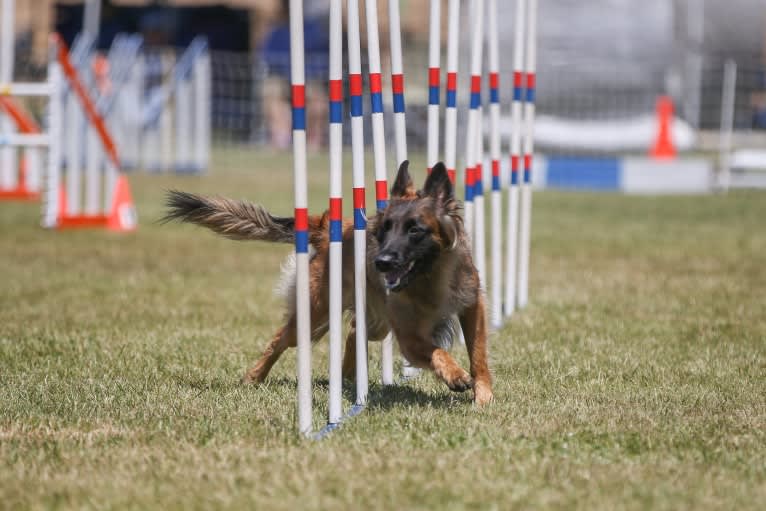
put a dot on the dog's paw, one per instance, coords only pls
(460, 382)
(482, 393)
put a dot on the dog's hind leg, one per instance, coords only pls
(474, 324)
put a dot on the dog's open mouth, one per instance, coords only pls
(396, 279)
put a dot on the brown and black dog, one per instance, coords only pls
(420, 276)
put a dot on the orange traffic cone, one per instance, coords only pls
(123, 217)
(663, 147)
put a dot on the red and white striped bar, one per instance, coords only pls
(450, 111)
(526, 187)
(360, 217)
(434, 52)
(335, 406)
(303, 311)
(477, 39)
(496, 282)
(512, 224)
(379, 153)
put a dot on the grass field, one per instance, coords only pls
(636, 378)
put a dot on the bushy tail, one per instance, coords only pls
(238, 220)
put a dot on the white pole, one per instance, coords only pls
(480, 242)
(512, 224)
(55, 114)
(450, 112)
(397, 82)
(360, 219)
(183, 123)
(201, 92)
(165, 162)
(92, 18)
(496, 282)
(526, 188)
(303, 310)
(379, 154)
(75, 138)
(336, 212)
(473, 115)
(93, 162)
(8, 167)
(727, 121)
(434, 78)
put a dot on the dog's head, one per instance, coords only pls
(417, 227)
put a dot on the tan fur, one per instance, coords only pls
(420, 315)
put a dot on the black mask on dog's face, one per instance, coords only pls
(413, 230)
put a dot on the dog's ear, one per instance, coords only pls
(403, 186)
(438, 184)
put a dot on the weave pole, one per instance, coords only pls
(397, 82)
(8, 163)
(496, 283)
(450, 111)
(335, 407)
(480, 243)
(302, 306)
(434, 77)
(512, 224)
(526, 188)
(379, 154)
(473, 113)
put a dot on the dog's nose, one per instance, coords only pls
(384, 262)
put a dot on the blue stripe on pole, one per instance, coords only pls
(475, 99)
(517, 93)
(469, 193)
(360, 219)
(356, 106)
(302, 242)
(433, 95)
(478, 187)
(381, 204)
(452, 98)
(336, 112)
(496, 183)
(494, 96)
(527, 175)
(514, 178)
(336, 230)
(530, 95)
(376, 98)
(399, 103)
(299, 118)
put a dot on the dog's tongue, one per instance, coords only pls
(394, 277)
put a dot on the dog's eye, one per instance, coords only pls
(387, 226)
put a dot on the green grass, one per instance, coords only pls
(636, 378)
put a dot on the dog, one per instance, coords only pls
(421, 280)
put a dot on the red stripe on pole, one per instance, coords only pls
(301, 219)
(530, 80)
(470, 176)
(355, 84)
(475, 83)
(336, 208)
(451, 173)
(299, 96)
(527, 161)
(494, 80)
(433, 76)
(496, 168)
(359, 198)
(518, 79)
(87, 103)
(375, 84)
(451, 81)
(381, 190)
(336, 90)
(514, 163)
(397, 83)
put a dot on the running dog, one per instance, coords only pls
(420, 276)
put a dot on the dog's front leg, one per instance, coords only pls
(474, 324)
(422, 353)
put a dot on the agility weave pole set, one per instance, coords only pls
(518, 219)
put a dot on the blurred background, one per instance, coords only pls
(602, 66)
